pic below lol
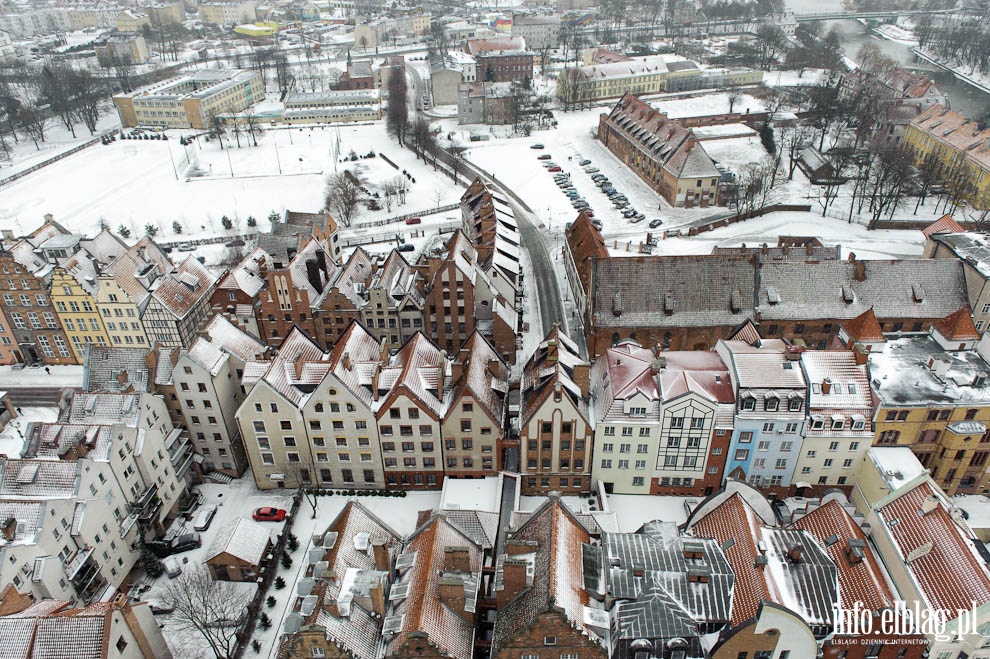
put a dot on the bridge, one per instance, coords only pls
(842, 15)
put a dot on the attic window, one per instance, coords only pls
(918, 293)
(848, 296)
(772, 295)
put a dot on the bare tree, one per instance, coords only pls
(733, 94)
(214, 609)
(342, 195)
(253, 128)
(397, 117)
(300, 478)
(217, 127)
(87, 94)
(34, 121)
(54, 86)
(891, 174)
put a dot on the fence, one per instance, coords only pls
(65, 154)
(773, 208)
(248, 238)
(403, 218)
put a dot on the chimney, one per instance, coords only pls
(49, 217)
(513, 581)
(794, 553)
(929, 504)
(582, 377)
(313, 275)
(452, 594)
(9, 528)
(330, 606)
(859, 268)
(376, 592)
(456, 559)
(826, 385)
(345, 360)
(861, 353)
(382, 559)
(297, 364)
(809, 249)
(854, 554)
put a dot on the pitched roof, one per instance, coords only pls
(297, 369)
(425, 612)
(354, 359)
(951, 576)
(115, 369)
(864, 582)
(223, 338)
(419, 368)
(180, 290)
(864, 327)
(143, 258)
(246, 276)
(557, 569)
(672, 291)
(38, 479)
(585, 243)
(552, 364)
(944, 224)
(241, 538)
(958, 326)
(910, 288)
(626, 371)
(485, 377)
(956, 131)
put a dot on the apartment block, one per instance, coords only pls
(125, 293)
(191, 100)
(556, 426)
(292, 288)
(207, 380)
(226, 13)
(502, 59)
(932, 397)
(30, 316)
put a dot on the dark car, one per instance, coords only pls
(236, 243)
(584, 162)
(407, 248)
(536, 146)
(656, 223)
(186, 542)
(268, 514)
(544, 156)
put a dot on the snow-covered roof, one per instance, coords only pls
(973, 248)
(242, 538)
(916, 371)
(115, 369)
(38, 479)
(182, 289)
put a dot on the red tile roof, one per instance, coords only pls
(951, 576)
(944, 224)
(958, 326)
(865, 327)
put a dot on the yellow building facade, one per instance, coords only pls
(76, 309)
(957, 148)
(120, 316)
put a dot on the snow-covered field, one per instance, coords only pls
(133, 183)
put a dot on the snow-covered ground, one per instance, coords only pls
(24, 154)
(133, 183)
(55, 376)
(239, 499)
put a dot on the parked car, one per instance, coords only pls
(186, 542)
(414, 220)
(584, 162)
(536, 146)
(544, 156)
(591, 170)
(554, 169)
(187, 247)
(597, 224)
(407, 248)
(172, 569)
(237, 242)
(636, 219)
(656, 223)
(204, 517)
(268, 514)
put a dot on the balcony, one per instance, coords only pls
(85, 575)
(183, 469)
(144, 500)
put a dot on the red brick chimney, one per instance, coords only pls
(513, 581)
(382, 559)
(456, 559)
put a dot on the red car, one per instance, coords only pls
(268, 514)
(414, 220)
(554, 169)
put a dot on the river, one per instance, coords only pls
(963, 97)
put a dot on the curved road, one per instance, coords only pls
(534, 241)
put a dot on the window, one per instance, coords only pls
(745, 437)
(606, 464)
(608, 448)
(763, 445)
(742, 455)
(549, 640)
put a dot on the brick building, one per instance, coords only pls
(501, 60)
(292, 287)
(556, 428)
(30, 316)
(667, 156)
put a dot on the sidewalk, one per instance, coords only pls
(60, 376)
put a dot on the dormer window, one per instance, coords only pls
(817, 423)
(795, 404)
(637, 411)
(838, 423)
(771, 404)
(748, 404)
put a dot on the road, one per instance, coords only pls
(533, 237)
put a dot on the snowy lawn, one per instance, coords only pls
(24, 154)
(134, 183)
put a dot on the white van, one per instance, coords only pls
(204, 517)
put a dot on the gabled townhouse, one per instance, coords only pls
(179, 302)
(627, 418)
(934, 559)
(771, 402)
(475, 417)
(340, 609)
(665, 591)
(932, 395)
(207, 380)
(292, 288)
(9, 352)
(556, 425)
(116, 628)
(839, 427)
(271, 423)
(340, 417)
(784, 580)
(696, 421)
(125, 293)
(461, 298)
(72, 290)
(410, 391)
(394, 297)
(543, 607)
(342, 299)
(30, 315)
(158, 455)
(440, 572)
(237, 291)
(864, 581)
